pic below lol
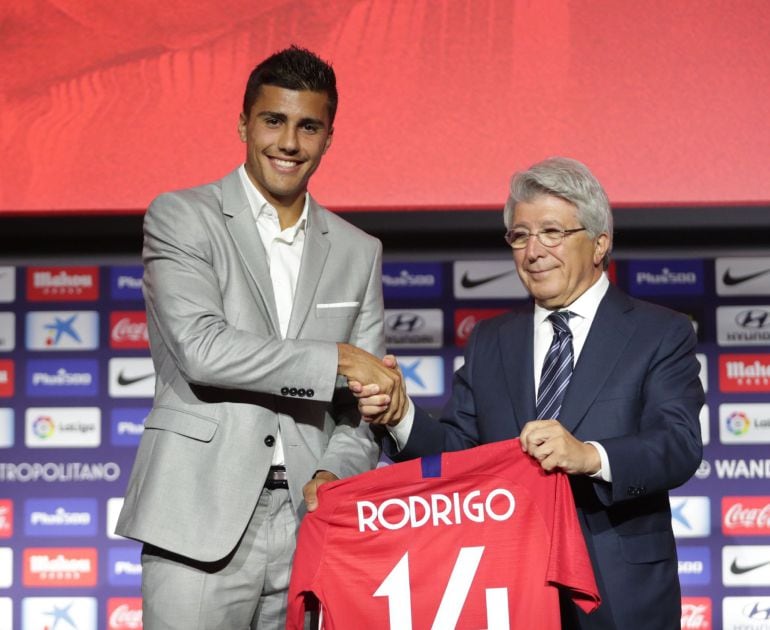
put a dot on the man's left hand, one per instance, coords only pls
(310, 489)
(557, 449)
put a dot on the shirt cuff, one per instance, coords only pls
(400, 433)
(604, 473)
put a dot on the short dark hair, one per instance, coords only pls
(293, 68)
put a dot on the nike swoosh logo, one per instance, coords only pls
(124, 380)
(735, 569)
(731, 280)
(467, 283)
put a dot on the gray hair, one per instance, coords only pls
(570, 180)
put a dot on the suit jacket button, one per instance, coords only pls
(293, 391)
(269, 440)
(284, 391)
(310, 393)
(301, 392)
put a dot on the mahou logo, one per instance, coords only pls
(128, 330)
(6, 518)
(746, 516)
(124, 613)
(696, 613)
(65, 566)
(53, 284)
(744, 373)
(466, 320)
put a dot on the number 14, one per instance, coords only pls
(397, 588)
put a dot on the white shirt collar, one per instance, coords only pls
(260, 205)
(585, 306)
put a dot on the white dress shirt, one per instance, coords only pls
(583, 312)
(284, 254)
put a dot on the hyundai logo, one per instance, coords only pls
(405, 322)
(752, 318)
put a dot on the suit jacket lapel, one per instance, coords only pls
(607, 338)
(314, 256)
(517, 360)
(245, 235)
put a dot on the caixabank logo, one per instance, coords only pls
(746, 516)
(62, 330)
(691, 516)
(697, 613)
(423, 375)
(65, 567)
(62, 284)
(744, 373)
(58, 613)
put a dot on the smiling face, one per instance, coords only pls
(556, 276)
(286, 134)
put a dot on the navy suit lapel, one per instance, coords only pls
(607, 339)
(243, 231)
(516, 347)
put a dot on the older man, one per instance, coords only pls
(596, 384)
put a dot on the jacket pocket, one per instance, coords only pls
(337, 309)
(190, 425)
(651, 547)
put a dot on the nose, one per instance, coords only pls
(288, 142)
(534, 249)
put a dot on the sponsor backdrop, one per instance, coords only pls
(76, 383)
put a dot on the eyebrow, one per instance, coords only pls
(283, 117)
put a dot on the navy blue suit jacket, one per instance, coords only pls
(635, 389)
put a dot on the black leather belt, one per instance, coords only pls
(276, 478)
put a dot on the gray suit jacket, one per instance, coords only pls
(226, 381)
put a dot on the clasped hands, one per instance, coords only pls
(377, 383)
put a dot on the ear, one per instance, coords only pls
(242, 126)
(601, 247)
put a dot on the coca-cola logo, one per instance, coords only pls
(6, 518)
(747, 516)
(696, 613)
(128, 329)
(466, 320)
(125, 613)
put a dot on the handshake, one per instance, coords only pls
(377, 383)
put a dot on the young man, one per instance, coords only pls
(257, 299)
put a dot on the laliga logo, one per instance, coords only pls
(738, 423)
(438, 509)
(43, 427)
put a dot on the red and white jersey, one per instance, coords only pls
(481, 538)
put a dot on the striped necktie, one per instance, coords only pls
(557, 367)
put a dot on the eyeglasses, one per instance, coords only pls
(550, 237)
